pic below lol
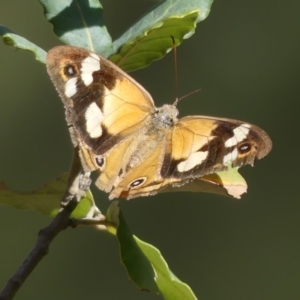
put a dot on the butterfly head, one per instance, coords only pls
(166, 115)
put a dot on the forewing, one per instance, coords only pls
(204, 145)
(103, 103)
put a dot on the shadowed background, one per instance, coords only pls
(245, 59)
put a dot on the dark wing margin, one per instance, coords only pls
(212, 145)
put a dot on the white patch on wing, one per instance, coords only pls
(94, 118)
(70, 87)
(239, 134)
(230, 157)
(193, 160)
(95, 56)
(88, 66)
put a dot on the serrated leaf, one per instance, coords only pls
(144, 263)
(228, 183)
(45, 200)
(12, 39)
(79, 23)
(150, 38)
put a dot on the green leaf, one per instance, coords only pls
(144, 263)
(12, 39)
(79, 23)
(227, 183)
(150, 38)
(45, 200)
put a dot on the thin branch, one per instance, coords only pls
(46, 235)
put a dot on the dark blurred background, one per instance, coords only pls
(245, 59)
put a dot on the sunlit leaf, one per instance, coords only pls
(144, 263)
(150, 38)
(46, 199)
(12, 39)
(228, 183)
(79, 23)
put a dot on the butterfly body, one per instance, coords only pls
(139, 149)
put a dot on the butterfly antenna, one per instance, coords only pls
(176, 76)
(187, 95)
(175, 70)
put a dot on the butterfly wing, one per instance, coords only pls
(137, 150)
(204, 145)
(104, 105)
(196, 146)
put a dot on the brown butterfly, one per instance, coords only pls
(137, 148)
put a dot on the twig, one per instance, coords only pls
(46, 235)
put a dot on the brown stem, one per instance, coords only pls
(46, 235)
